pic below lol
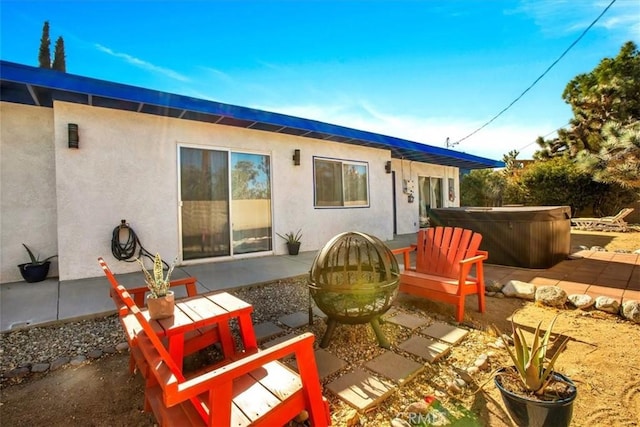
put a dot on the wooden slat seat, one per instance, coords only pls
(256, 389)
(444, 259)
(194, 340)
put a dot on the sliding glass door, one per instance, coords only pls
(225, 203)
(430, 197)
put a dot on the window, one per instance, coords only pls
(340, 183)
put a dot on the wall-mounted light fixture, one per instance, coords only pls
(296, 157)
(387, 166)
(74, 139)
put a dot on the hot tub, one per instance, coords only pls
(528, 236)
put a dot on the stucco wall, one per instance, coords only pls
(408, 220)
(126, 168)
(27, 187)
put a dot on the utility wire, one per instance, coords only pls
(541, 76)
(553, 131)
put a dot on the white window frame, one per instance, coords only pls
(342, 162)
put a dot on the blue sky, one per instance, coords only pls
(420, 70)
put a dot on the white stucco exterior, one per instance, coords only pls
(68, 201)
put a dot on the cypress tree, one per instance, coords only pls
(44, 56)
(59, 61)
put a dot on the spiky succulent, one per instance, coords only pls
(530, 360)
(157, 283)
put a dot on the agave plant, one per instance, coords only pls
(292, 237)
(530, 360)
(157, 283)
(35, 260)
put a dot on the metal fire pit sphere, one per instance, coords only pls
(354, 279)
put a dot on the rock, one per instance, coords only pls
(637, 252)
(581, 301)
(490, 294)
(302, 416)
(78, 360)
(453, 388)
(492, 286)
(17, 372)
(482, 364)
(631, 311)
(419, 407)
(399, 422)
(518, 289)
(597, 249)
(94, 354)
(499, 295)
(607, 304)
(352, 418)
(59, 362)
(552, 296)
(473, 370)
(40, 368)
(110, 350)
(122, 346)
(460, 382)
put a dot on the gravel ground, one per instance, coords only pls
(356, 344)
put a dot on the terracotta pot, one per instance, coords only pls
(161, 307)
(534, 413)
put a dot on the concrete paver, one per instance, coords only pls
(407, 320)
(445, 332)
(327, 363)
(295, 320)
(428, 349)
(266, 330)
(361, 389)
(398, 369)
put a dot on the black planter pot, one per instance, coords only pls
(535, 413)
(294, 248)
(34, 272)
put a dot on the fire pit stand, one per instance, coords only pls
(353, 280)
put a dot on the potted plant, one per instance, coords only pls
(293, 241)
(36, 270)
(533, 393)
(160, 300)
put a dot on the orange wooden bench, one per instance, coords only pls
(255, 390)
(194, 341)
(443, 262)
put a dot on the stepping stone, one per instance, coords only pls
(266, 330)
(407, 320)
(397, 368)
(326, 362)
(361, 389)
(318, 313)
(444, 332)
(426, 348)
(390, 313)
(295, 320)
(279, 340)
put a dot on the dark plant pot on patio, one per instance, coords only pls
(34, 272)
(294, 248)
(528, 412)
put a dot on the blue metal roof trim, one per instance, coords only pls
(53, 84)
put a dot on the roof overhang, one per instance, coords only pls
(24, 84)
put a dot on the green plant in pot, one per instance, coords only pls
(160, 300)
(36, 270)
(535, 394)
(293, 241)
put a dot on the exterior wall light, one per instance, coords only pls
(296, 157)
(74, 139)
(387, 166)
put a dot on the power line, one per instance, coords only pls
(553, 131)
(541, 76)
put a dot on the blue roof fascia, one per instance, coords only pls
(56, 80)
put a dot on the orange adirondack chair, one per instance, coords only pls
(444, 260)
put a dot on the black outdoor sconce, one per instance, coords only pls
(387, 166)
(74, 139)
(296, 157)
